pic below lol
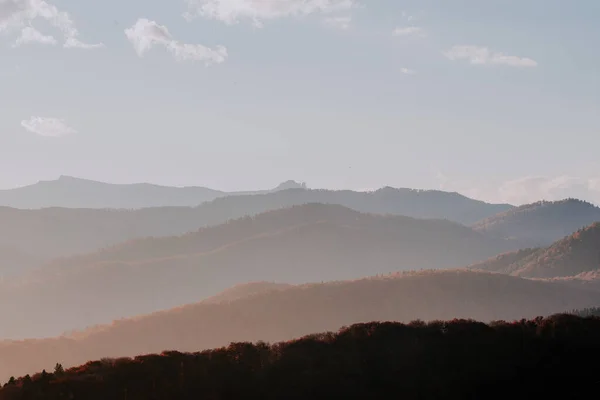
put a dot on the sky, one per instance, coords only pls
(496, 99)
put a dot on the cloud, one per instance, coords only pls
(533, 188)
(408, 31)
(527, 189)
(408, 71)
(342, 23)
(32, 35)
(74, 43)
(18, 15)
(49, 127)
(146, 34)
(232, 11)
(483, 55)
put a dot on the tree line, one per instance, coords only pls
(548, 357)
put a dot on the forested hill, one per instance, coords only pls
(541, 224)
(578, 253)
(277, 313)
(459, 359)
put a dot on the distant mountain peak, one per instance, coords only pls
(291, 184)
(73, 180)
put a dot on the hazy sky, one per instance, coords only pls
(498, 99)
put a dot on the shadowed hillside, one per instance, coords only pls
(576, 255)
(542, 223)
(285, 314)
(57, 232)
(310, 243)
(458, 359)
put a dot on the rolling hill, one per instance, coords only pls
(58, 232)
(572, 256)
(71, 192)
(285, 314)
(309, 243)
(542, 223)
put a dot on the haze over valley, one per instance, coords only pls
(299, 199)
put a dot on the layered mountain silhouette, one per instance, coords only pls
(286, 313)
(541, 223)
(309, 243)
(55, 232)
(577, 255)
(71, 192)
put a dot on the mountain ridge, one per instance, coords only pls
(292, 312)
(59, 232)
(572, 256)
(308, 243)
(542, 223)
(72, 192)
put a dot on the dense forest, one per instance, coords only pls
(459, 359)
(588, 312)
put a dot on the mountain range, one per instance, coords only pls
(301, 244)
(71, 192)
(278, 313)
(44, 234)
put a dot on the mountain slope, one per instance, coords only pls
(572, 256)
(245, 290)
(541, 223)
(57, 232)
(505, 263)
(285, 314)
(70, 192)
(427, 204)
(309, 243)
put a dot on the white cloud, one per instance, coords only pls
(49, 127)
(408, 71)
(18, 15)
(32, 35)
(342, 23)
(483, 55)
(533, 188)
(408, 31)
(74, 43)
(232, 11)
(146, 34)
(528, 189)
